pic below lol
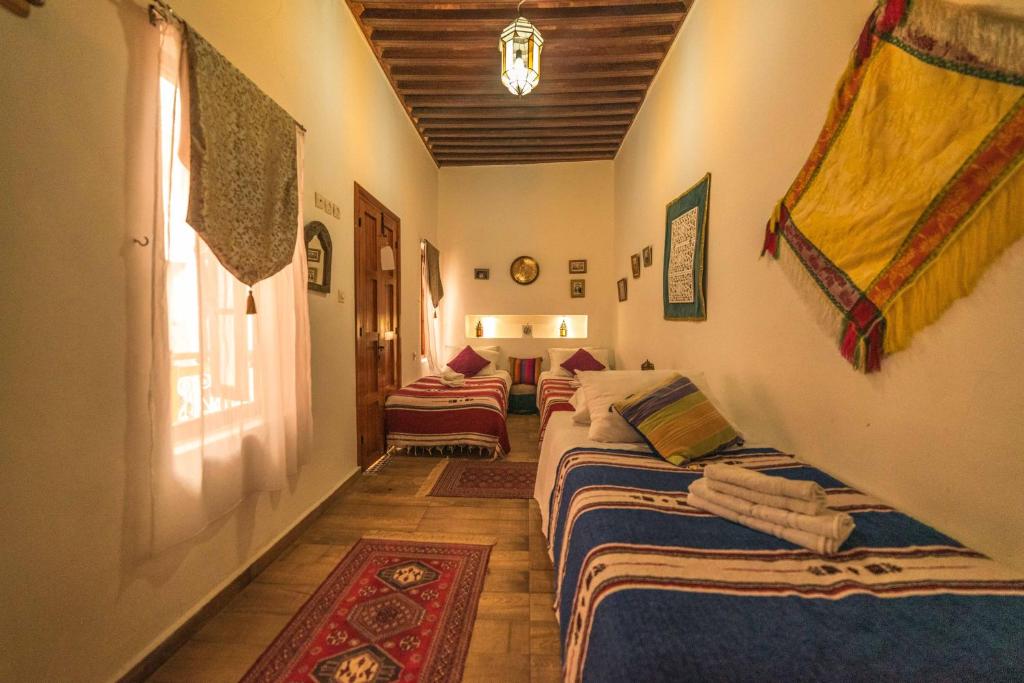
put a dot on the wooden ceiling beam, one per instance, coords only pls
(491, 85)
(428, 125)
(657, 35)
(534, 100)
(556, 70)
(509, 161)
(595, 16)
(490, 59)
(512, 142)
(443, 152)
(362, 5)
(523, 113)
(505, 132)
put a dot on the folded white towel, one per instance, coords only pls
(806, 497)
(450, 378)
(823, 533)
(805, 507)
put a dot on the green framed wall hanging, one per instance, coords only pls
(685, 277)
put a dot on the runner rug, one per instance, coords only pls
(392, 610)
(475, 479)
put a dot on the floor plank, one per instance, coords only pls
(515, 636)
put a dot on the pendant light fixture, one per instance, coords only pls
(520, 47)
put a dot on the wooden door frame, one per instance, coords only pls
(360, 192)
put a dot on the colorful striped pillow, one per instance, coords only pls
(678, 421)
(525, 370)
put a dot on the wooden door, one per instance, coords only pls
(377, 297)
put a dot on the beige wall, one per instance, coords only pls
(743, 94)
(76, 106)
(489, 215)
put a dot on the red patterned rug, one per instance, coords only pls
(474, 479)
(390, 611)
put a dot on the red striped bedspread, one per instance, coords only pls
(428, 413)
(553, 396)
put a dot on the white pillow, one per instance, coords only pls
(491, 353)
(579, 402)
(603, 388)
(558, 356)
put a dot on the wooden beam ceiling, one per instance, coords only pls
(598, 61)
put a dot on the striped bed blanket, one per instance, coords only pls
(649, 588)
(427, 414)
(553, 396)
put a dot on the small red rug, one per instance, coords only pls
(471, 479)
(390, 611)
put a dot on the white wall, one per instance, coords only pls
(77, 94)
(489, 215)
(938, 431)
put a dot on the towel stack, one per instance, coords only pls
(794, 511)
(453, 379)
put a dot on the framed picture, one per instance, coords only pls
(686, 234)
(622, 289)
(577, 289)
(481, 273)
(578, 266)
(634, 261)
(318, 256)
(648, 256)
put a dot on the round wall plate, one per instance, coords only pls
(525, 270)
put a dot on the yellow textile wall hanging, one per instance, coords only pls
(914, 185)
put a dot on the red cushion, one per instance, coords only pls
(582, 360)
(468, 362)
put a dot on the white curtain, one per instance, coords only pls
(229, 392)
(431, 319)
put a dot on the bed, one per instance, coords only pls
(553, 393)
(428, 414)
(651, 589)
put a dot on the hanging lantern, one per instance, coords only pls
(520, 47)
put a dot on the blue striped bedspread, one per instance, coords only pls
(651, 589)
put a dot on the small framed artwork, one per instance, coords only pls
(634, 261)
(648, 256)
(481, 273)
(622, 289)
(578, 266)
(313, 255)
(314, 275)
(577, 289)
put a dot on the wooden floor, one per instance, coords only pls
(515, 637)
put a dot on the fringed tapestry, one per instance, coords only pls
(685, 280)
(243, 197)
(914, 185)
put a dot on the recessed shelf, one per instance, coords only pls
(545, 326)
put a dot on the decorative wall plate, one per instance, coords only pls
(525, 270)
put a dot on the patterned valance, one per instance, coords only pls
(915, 184)
(243, 198)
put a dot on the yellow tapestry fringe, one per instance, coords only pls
(963, 261)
